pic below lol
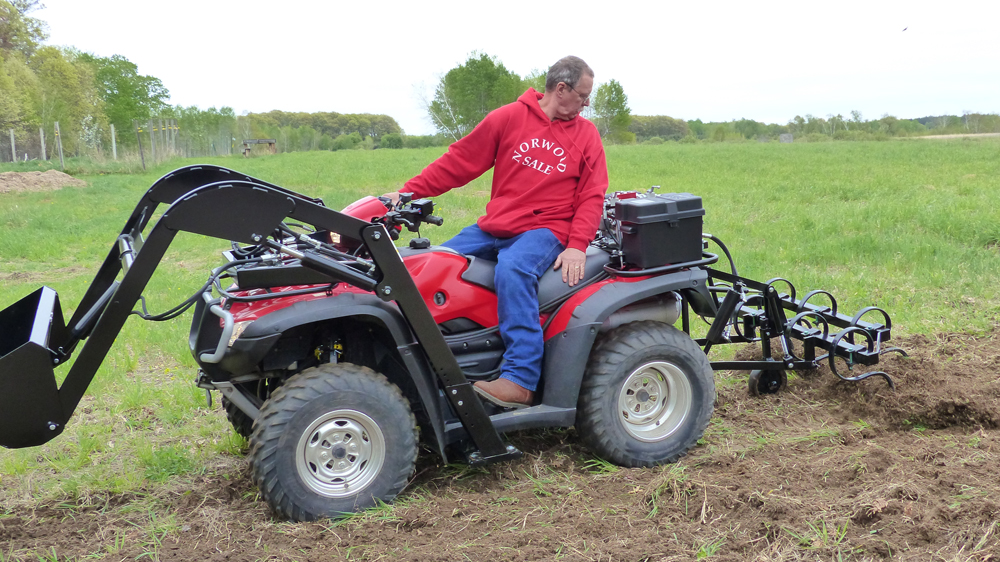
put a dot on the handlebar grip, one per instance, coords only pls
(434, 219)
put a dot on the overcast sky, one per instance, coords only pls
(716, 61)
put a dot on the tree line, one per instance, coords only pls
(41, 85)
(466, 93)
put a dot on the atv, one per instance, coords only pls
(337, 353)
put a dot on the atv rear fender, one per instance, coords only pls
(567, 352)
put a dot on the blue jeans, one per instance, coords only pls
(521, 261)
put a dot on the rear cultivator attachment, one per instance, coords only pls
(750, 311)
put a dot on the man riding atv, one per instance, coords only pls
(549, 181)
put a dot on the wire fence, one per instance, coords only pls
(150, 141)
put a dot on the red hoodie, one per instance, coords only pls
(547, 173)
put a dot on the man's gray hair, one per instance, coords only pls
(568, 70)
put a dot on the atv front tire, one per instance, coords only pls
(647, 395)
(332, 440)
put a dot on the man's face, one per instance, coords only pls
(575, 98)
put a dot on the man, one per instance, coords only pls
(549, 181)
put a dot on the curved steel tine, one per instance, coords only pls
(898, 350)
(735, 323)
(849, 332)
(866, 310)
(798, 317)
(791, 287)
(882, 374)
(811, 294)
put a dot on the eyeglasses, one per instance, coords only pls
(583, 98)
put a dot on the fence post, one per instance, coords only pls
(62, 163)
(114, 144)
(13, 149)
(152, 142)
(41, 133)
(173, 140)
(138, 138)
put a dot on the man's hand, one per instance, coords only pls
(393, 196)
(571, 261)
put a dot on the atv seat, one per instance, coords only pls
(550, 286)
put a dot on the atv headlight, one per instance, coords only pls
(238, 328)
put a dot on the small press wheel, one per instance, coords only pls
(767, 381)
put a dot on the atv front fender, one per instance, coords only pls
(260, 337)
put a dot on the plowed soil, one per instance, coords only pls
(825, 470)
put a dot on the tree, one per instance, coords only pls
(18, 31)
(469, 91)
(126, 94)
(612, 114)
(662, 126)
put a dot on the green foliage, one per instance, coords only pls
(653, 141)
(346, 142)
(20, 32)
(649, 126)
(425, 141)
(391, 140)
(612, 114)
(332, 124)
(126, 94)
(469, 91)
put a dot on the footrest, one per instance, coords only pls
(476, 458)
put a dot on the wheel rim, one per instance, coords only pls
(654, 401)
(340, 453)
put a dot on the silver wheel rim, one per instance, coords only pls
(340, 453)
(654, 401)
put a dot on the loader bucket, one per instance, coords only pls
(30, 412)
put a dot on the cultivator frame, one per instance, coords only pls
(750, 311)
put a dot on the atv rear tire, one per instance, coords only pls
(647, 395)
(332, 440)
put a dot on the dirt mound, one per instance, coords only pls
(947, 380)
(49, 180)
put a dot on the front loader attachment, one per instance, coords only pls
(220, 203)
(30, 413)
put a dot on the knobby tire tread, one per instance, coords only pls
(285, 402)
(597, 422)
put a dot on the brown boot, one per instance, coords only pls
(505, 393)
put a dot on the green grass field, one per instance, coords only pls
(910, 226)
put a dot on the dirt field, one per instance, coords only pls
(48, 180)
(824, 471)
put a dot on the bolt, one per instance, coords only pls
(55, 361)
(790, 365)
(376, 235)
(387, 290)
(256, 237)
(454, 391)
(460, 403)
(52, 426)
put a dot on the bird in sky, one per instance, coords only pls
(905, 28)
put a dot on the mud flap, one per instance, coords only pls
(30, 411)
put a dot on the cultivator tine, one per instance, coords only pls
(833, 302)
